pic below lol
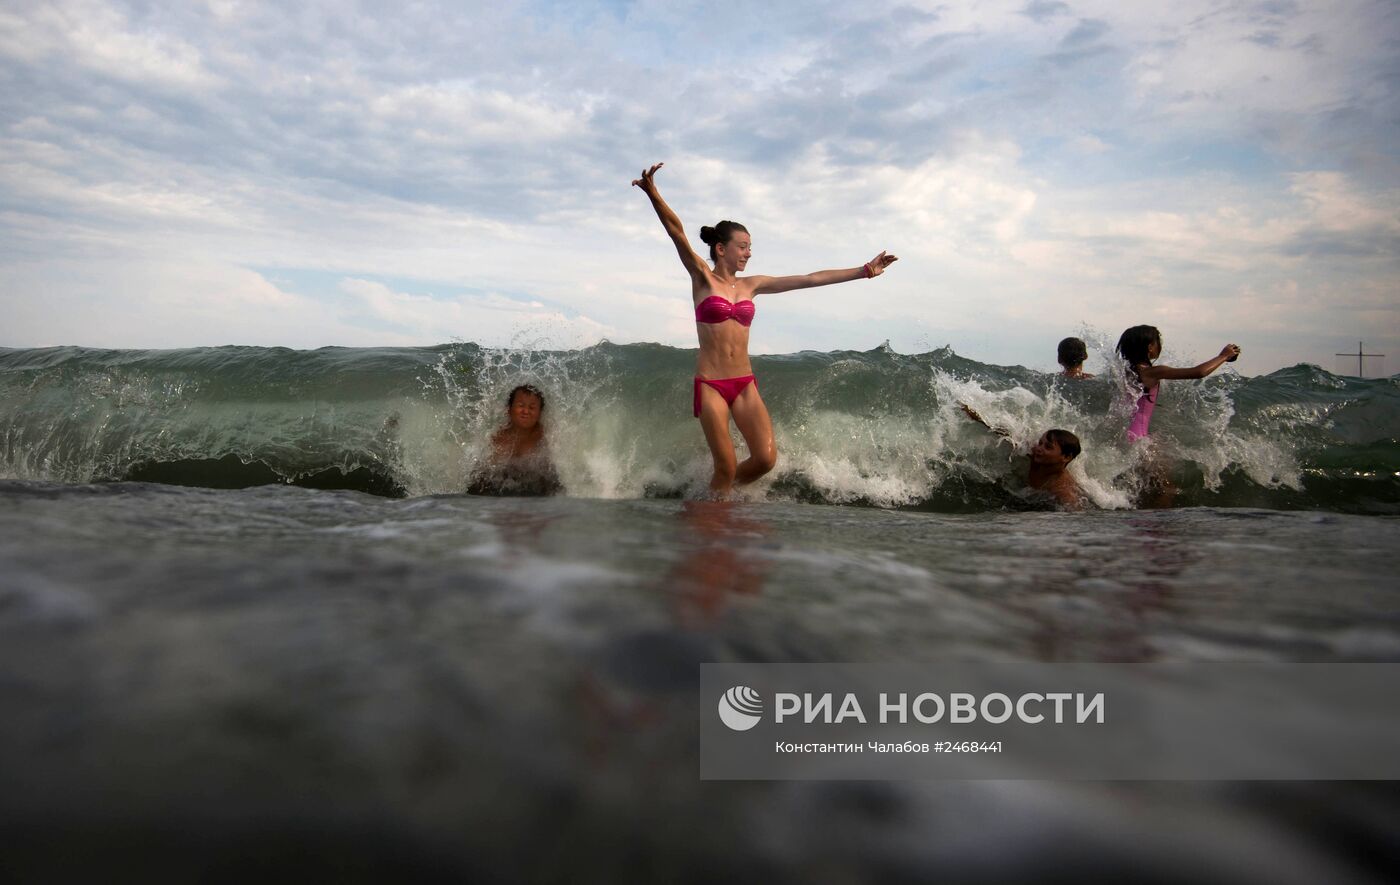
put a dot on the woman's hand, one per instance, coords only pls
(646, 182)
(878, 264)
(1231, 352)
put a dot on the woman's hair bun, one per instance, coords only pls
(707, 235)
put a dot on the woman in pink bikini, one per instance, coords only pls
(724, 383)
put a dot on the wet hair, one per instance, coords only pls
(1068, 442)
(526, 388)
(1133, 343)
(1072, 352)
(719, 235)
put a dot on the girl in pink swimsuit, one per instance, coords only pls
(1139, 346)
(724, 383)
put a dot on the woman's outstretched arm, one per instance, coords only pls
(873, 268)
(671, 221)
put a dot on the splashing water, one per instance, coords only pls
(874, 427)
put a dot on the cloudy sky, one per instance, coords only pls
(335, 173)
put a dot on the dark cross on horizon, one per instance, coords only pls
(1360, 355)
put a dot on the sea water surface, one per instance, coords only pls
(333, 662)
(873, 427)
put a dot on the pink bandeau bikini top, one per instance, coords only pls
(716, 310)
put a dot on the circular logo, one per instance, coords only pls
(740, 708)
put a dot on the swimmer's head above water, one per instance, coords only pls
(524, 406)
(1140, 344)
(1055, 448)
(730, 240)
(1072, 353)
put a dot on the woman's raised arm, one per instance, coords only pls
(671, 221)
(872, 268)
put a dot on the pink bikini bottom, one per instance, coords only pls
(729, 388)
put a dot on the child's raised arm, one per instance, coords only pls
(971, 413)
(1150, 373)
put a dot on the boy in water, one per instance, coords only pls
(1072, 353)
(1050, 458)
(523, 433)
(519, 463)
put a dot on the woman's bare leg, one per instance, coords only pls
(714, 420)
(751, 417)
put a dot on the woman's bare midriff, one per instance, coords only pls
(724, 350)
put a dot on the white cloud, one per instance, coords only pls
(462, 116)
(1334, 202)
(99, 36)
(1090, 144)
